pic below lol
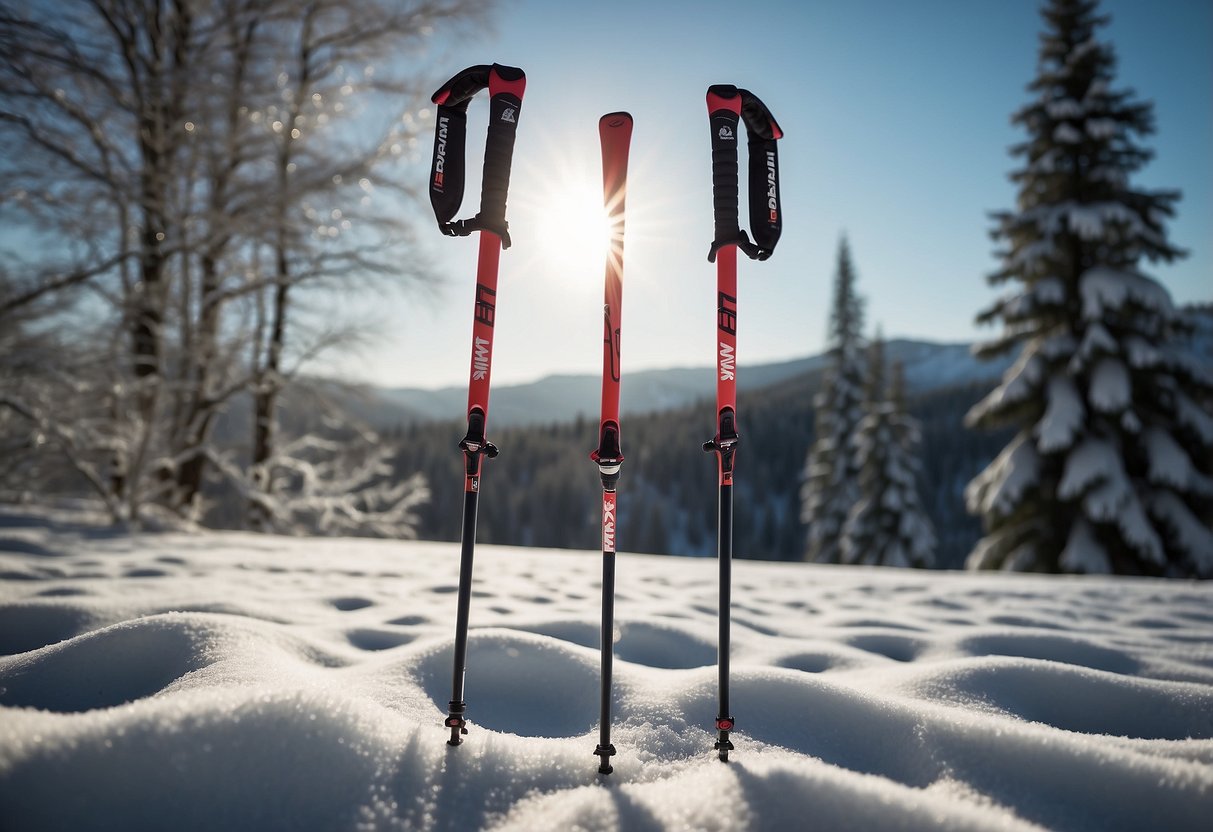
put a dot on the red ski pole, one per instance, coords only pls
(506, 86)
(727, 106)
(615, 132)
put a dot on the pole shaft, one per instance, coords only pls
(725, 554)
(457, 704)
(608, 646)
(475, 447)
(725, 444)
(607, 632)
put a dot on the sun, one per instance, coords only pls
(559, 220)
(577, 230)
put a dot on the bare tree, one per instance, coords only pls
(184, 168)
(334, 57)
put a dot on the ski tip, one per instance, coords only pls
(615, 132)
(615, 120)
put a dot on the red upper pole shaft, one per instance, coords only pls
(726, 342)
(483, 319)
(615, 133)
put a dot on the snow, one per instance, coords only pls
(1194, 537)
(1105, 289)
(1049, 290)
(236, 681)
(1169, 463)
(1093, 460)
(1141, 353)
(1094, 471)
(1064, 108)
(1064, 416)
(1057, 345)
(1019, 383)
(1090, 221)
(1110, 391)
(1083, 552)
(1095, 341)
(1066, 133)
(999, 488)
(1101, 128)
(1026, 257)
(1194, 417)
(1079, 52)
(1087, 221)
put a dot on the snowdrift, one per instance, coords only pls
(248, 682)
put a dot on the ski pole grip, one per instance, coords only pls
(728, 106)
(506, 85)
(724, 114)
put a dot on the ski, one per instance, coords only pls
(727, 107)
(506, 86)
(615, 133)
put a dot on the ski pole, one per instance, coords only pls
(727, 106)
(506, 85)
(615, 133)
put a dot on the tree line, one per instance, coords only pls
(544, 491)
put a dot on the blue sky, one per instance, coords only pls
(897, 127)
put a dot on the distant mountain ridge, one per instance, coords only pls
(563, 398)
(555, 399)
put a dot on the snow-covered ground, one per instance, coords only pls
(231, 681)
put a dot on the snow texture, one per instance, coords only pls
(234, 681)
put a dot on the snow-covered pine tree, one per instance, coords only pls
(1110, 469)
(831, 483)
(887, 526)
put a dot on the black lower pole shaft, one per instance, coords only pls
(605, 750)
(724, 722)
(455, 719)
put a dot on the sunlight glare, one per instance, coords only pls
(577, 229)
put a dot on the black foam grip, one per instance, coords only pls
(498, 157)
(724, 174)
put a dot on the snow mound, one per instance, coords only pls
(249, 682)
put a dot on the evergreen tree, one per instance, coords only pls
(1110, 468)
(887, 526)
(831, 478)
